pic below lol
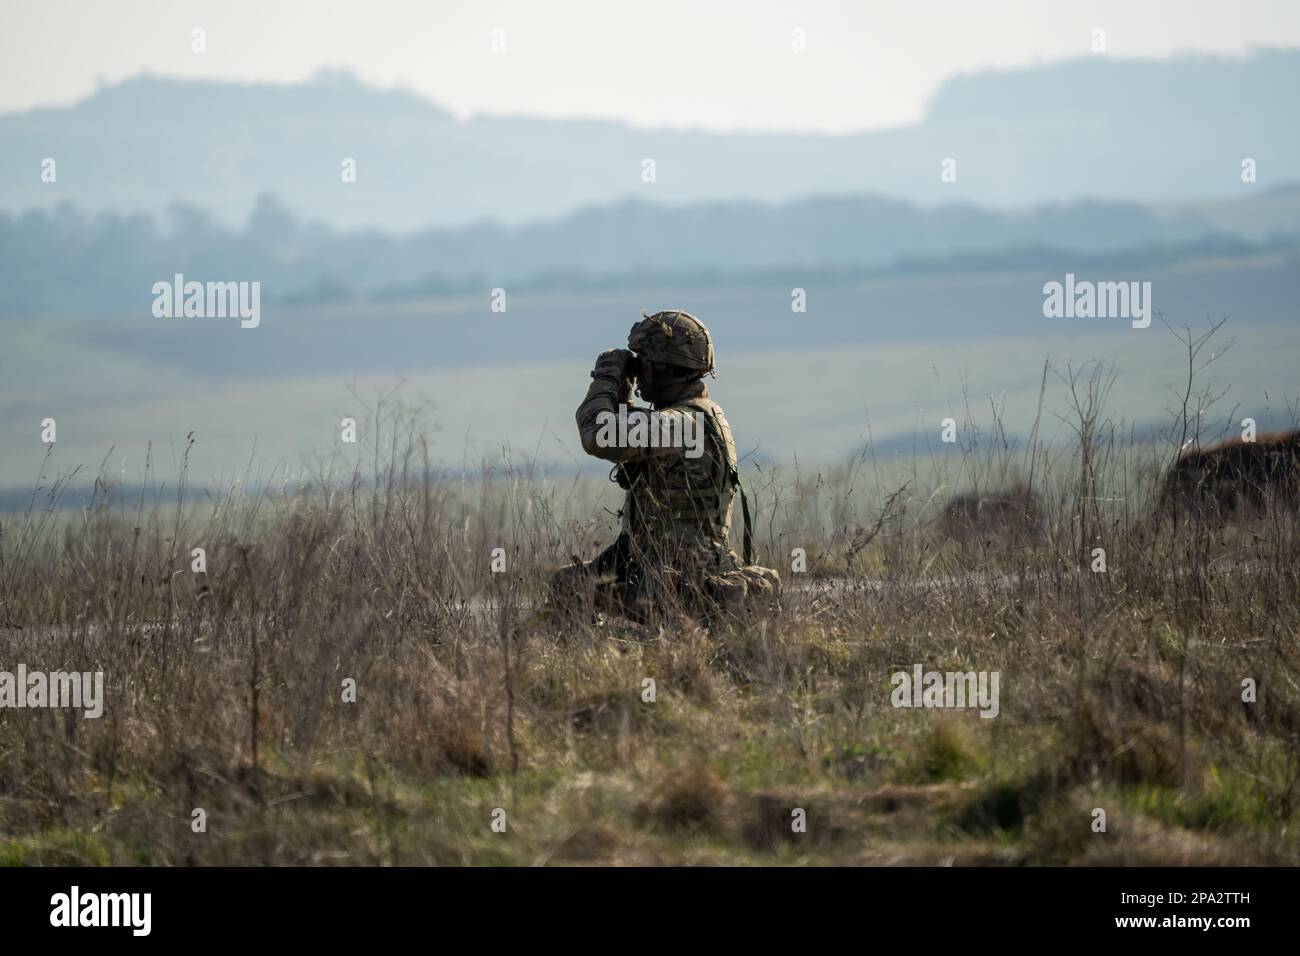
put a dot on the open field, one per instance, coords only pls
(227, 691)
(882, 358)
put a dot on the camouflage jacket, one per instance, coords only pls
(677, 511)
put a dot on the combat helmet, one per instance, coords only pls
(673, 337)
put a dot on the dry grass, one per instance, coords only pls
(1119, 690)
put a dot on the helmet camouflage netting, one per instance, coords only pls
(673, 337)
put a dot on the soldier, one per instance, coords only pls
(673, 553)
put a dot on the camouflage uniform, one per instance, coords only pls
(673, 549)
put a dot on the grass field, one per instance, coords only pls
(348, 682)
(881, 358)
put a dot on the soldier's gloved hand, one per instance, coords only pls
(612, 363)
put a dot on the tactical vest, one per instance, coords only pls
(678, 509)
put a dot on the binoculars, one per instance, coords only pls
(632, 368)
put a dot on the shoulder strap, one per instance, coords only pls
(709, 407)
(748, 535)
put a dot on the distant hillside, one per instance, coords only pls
(1100, 127)
(66, 262)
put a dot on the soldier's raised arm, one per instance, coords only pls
(609, 425)
(611, 386)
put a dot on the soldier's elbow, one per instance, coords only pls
(593, 445)
(589, 444)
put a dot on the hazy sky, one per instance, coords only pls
(710, 63)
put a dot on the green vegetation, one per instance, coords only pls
(227, 690)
